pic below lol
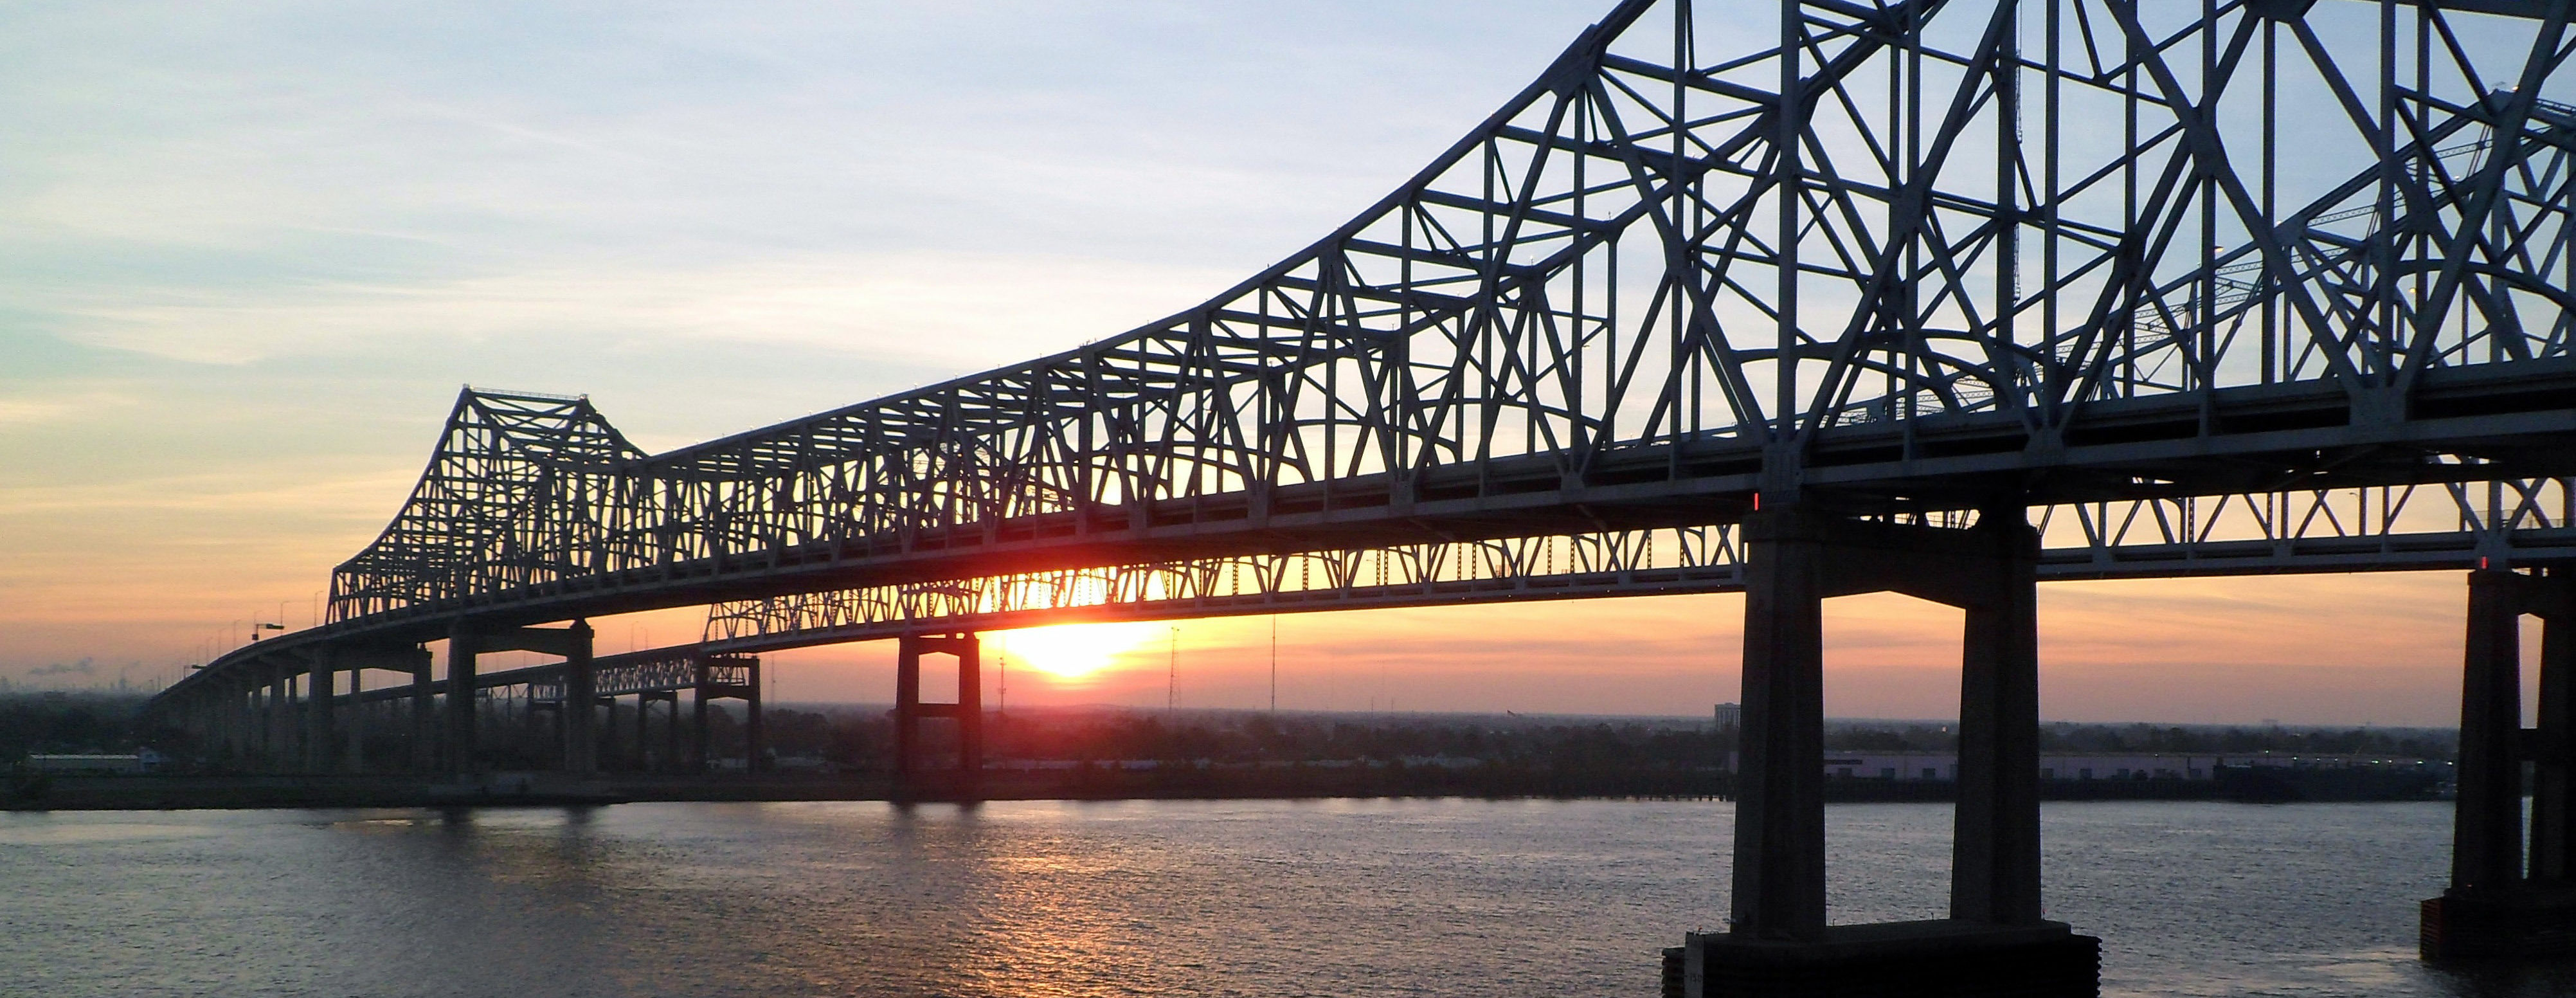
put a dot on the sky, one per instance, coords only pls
(249, 251)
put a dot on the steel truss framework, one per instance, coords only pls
(2162, 270)
(2457, 525)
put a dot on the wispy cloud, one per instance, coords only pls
(945, 310)
(53, 407)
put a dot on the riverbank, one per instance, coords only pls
(1081, 783)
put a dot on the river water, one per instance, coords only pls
(1150, 898)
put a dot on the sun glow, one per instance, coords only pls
(1074, 651)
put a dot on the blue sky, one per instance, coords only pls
(248, 251)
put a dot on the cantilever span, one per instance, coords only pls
(1572, 321)
(1799, 299)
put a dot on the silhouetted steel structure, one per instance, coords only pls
(1803, 298)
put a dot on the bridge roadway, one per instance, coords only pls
(1869, 299)
(2517, 420)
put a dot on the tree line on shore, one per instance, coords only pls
(861, 737)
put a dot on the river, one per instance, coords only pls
(1150, 898)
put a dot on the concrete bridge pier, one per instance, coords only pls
(670, 729)
(464, 645)
(353, 735)
(2509, 899)
(967, 709)
(580, 746)
(467, 641)
(1995, 942)
(424, 713)
(279, 718)
(720, 678)
(229, 707)
(607, 732)
(320, 753)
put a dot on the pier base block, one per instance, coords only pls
(1932, 959)
(2517, 921)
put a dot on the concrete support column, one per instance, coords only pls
(1994, 864)
(698, 723)
(230, 710)
(755, 736)
(464, 644)
(907, 707)
(353, 747)
(281, 719)
(608, 733)
(319, 689)
(2553, 792)
(643, 719)
(2486, 847)
(967, 709)
(255, 718)
(227, 717)
(970, 707)
(1780, 805)
(424, 714)
(581, 745)
(671, 732)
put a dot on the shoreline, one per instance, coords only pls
(153, 793)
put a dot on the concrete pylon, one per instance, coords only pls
(424, 715)
(319, 754)
(967, 709)
(1779, 890)
(1994, 860)
(2553, 745)
(581, 744)
(2509, 898)
(2486, 843)
(464, 645)
(281, 718)
(1779, 940)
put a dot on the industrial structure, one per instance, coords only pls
(1798, 299)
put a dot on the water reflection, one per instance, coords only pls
(1144, 898)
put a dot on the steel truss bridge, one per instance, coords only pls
(2036, 289)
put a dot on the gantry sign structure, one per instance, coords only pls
(2174, 288)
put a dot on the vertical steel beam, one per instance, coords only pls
(2486, 847)
(1780, 805)
(1994, 860)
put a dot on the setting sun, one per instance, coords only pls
(1074, 651)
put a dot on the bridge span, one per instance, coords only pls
(1799, 299)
